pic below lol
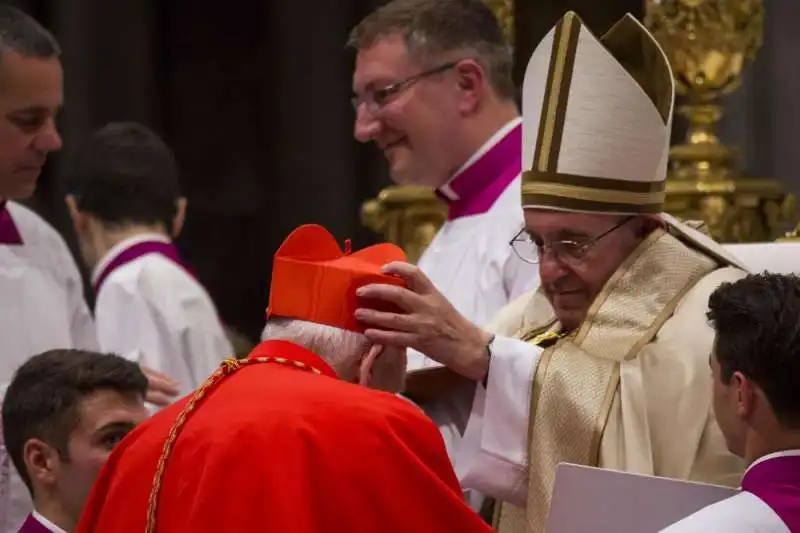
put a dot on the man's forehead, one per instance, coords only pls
(105, 407)
(386, 59)
(30, 81)
(548, 222)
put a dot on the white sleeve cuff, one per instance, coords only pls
(493, 456)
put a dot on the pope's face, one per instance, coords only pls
(30, 96)
(412, 125)
(572, 285)
(104, 418)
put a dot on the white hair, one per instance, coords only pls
(340, 348)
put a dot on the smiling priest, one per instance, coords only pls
(292, 439)
(434, 92)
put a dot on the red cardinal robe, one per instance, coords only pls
(282, 445)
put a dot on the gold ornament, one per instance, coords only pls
(405, 215)
(708, 43)
(504, 11)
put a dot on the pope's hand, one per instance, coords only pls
(161, 389)
(430, 324)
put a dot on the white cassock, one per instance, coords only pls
(471, 261)
(769, 501)
(151, 310)
(743, 513)
(42, 308)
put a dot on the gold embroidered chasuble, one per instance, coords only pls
(631, 388)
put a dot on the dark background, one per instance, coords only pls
(253, 95)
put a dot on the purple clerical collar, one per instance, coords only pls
(132, 249)
(9, 233)
(32, 525)
(475, 189)
(775, 480)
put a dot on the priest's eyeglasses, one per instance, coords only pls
(376, 99)
(572, 252)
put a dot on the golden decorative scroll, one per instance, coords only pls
(708, 43)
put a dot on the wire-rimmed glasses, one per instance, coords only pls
(568, 251)
(376, 99)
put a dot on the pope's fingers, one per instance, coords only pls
(386, 320)
(416, 280)
(390, 338)
(400, 296)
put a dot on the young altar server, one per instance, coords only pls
(126, 207)
(292, 439)
(64, 412)
(756, 369)
(434, 92)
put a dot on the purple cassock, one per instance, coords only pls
(9, 234)
(776, 482)
(31, 525)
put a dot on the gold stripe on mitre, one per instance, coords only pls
(582, 193)
(559, 77)
(543, 185)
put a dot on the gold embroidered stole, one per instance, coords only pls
(577, 378)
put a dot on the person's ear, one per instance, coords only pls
(745, 395)
(367, 363)
(41, 461)
(79, 219)
(471, 81)
(180, 217)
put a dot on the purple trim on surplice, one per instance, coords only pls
(480, 185)
(31, 525)
(136, 251)
(776, 481)
(9, 233)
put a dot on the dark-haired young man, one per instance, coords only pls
(63, 413)
(433, 90)
(126, 207)
(756, 369)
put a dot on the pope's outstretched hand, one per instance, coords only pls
(428, 323)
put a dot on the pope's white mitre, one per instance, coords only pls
(596, 120)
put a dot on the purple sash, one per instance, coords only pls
(31, 525)
(9, 234)
(776, 481)
(480, 185)
(136, 251)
